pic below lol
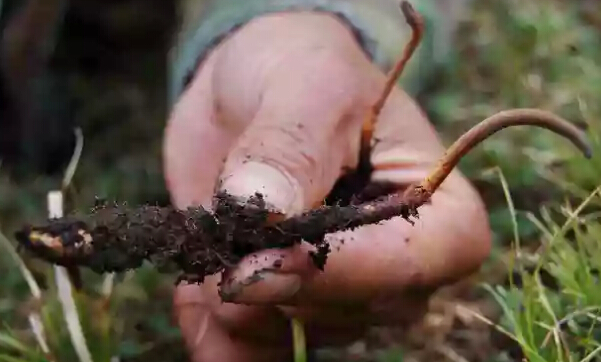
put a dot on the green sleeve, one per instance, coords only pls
(379, 25)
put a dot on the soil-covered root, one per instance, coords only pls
(194, 241)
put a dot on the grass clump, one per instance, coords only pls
(552, 307)
(548, 237)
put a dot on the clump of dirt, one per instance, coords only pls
(114, 237)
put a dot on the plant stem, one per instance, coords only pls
(298, 340)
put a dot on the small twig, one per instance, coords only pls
(417, 195)
(450, 353)
(562, 322)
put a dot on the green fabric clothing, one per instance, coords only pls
(379, 24)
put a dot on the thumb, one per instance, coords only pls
(292, 153)
(294, 149)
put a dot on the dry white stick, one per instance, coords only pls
(108, 285)
(65, 292)
(35, 321)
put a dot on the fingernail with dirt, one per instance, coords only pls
(263, 286)
(280, 190)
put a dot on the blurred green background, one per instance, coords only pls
(537, 297)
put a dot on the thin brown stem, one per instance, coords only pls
(415, 20)
(495, 123)
(332, 219)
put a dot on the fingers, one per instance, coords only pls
(380, 264)
(291, 145)
(360, 294)
(208, 336)
(297, 101)
(268, 277)
(193, 303)
(374, 264)
(293, 151)
(290, 142)
(294, 148)
(254, 331)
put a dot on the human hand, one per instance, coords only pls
(277, 108)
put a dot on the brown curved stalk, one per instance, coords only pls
(316, 223)
(415, 20)
(495, 123)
